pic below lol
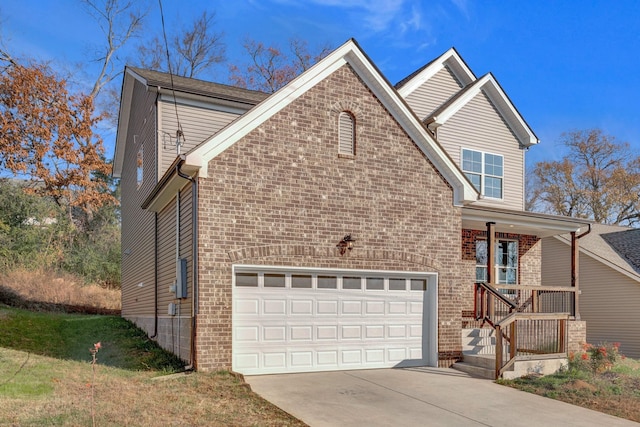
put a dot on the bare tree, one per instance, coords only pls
(270, 68)
(193, 52)
(119, 21)
(598, 179)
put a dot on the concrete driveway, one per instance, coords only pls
(416, 397)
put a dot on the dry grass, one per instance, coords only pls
(125, 397)
(615, 391)
(49, 290)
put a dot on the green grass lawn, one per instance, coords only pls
(46, 378)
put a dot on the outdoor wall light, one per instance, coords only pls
(346, 243)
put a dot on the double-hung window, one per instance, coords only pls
(485, 171)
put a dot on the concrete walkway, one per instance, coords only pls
(416, 397)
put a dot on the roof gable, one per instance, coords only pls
(450, 58)
(349, 53)
(178, 87)
(488, 85)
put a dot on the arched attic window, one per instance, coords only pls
(346, 133)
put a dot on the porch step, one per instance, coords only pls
(476, 371)
(478, 341)
(478, 358)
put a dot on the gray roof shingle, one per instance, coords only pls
(200, 87)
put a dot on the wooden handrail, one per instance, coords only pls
(486, 295)
(495, 292)
(536, 288)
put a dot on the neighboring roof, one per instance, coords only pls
(612, 245)
(159, 82)
(490, 86)
(349, 53)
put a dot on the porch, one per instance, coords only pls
(515, 328)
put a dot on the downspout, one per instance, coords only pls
(155, 246)
(155, 277)
(194, 229)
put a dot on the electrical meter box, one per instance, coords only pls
(181, 278)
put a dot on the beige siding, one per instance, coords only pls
(166, 255)
(167, 249)
(556, 263)
(198, 123)
(479, 126)
(186, 235)
(609, 300)
(433, 93)
(609, 303)
(138, 273)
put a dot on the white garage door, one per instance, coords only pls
(303, 320)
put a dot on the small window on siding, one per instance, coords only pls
(139, 163)
(346, 133)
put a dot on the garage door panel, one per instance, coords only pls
(274, 333)
(301, 333)
(350, 332)
(374, 331)
(374, 307)
(276, 360)
(397, 307)
(302, 307)
(351, 307)
(327, 307)
(292, 329)
(246, 306)
(327, 332)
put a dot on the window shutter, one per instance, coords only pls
(346, 133)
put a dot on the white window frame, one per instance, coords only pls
(483, 174)
(497, 264)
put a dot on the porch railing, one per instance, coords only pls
(529, 321)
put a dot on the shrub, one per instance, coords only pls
(595, 359)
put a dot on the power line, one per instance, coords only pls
(179, 132)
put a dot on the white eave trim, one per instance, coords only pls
(492, 89)
(451, 59)
(349, 53)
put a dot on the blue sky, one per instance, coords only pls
(566, 65)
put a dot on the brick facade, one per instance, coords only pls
(282, 196)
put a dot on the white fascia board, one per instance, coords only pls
(450, 58)
(349, 53)
(215, 145)
(464, 192)
(521, 220)
(124, 113)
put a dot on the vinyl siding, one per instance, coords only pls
(609, 300)
(556, 263)
(138, 245)
(433, 93)
(479, 126)
(166, 255)
(198, 124)
(609, 303)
